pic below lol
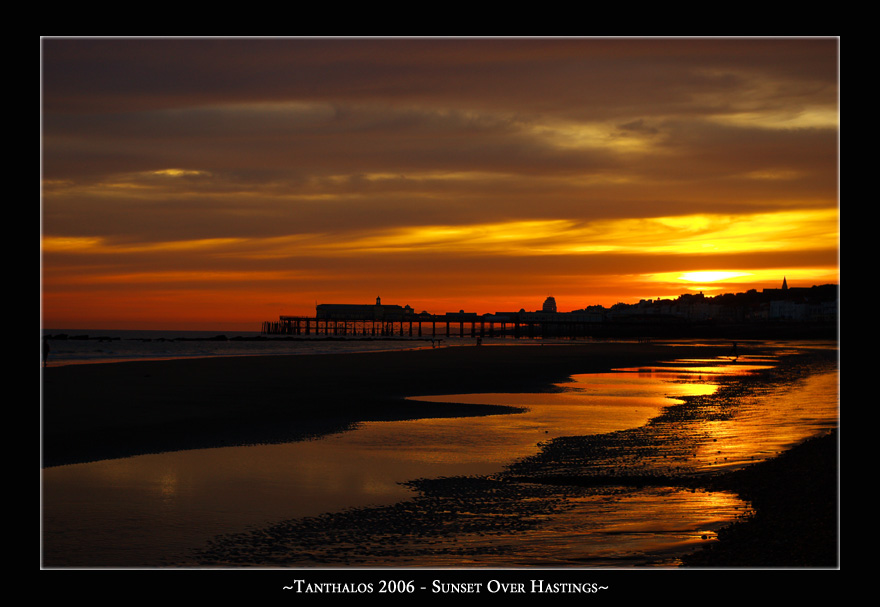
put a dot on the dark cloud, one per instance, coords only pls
(530, 74)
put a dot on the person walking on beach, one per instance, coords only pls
(733, 352)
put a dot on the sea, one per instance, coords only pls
(166, 509)
(81, 346)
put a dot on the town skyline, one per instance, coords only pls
(794, 312)
(825, 293)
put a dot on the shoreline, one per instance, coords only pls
(101, 411)
(185, 404)
(796, 511)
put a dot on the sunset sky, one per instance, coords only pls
(217, 183)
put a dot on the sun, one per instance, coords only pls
(710, 276)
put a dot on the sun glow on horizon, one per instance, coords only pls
(737, 281)
(259, 267)
(710, 276)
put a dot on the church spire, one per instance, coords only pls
(784, 284)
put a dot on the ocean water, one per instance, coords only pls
(162, 509)
(81, 346)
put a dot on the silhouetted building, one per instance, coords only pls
(549, 305)
(363, 312)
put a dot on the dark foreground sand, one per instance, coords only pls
(93, 412)
(796, 520)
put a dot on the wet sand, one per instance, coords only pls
(100, 411)
(796, 511)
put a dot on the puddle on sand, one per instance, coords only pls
(594, 403)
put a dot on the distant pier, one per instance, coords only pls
(391, 320)
(434, 326)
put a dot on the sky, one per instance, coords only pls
(218, 183)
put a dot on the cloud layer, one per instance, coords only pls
(447, 174)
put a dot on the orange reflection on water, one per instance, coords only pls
(598, 403)
(724, 365)
(594, 403)
(767, 424)
(645, 381)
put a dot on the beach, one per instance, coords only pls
(101, 411)
(111, 410)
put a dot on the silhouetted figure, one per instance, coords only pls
(733, 352)
(45, 351)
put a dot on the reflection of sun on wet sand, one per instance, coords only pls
(101, 410)
(595, 403)
(106, 410)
